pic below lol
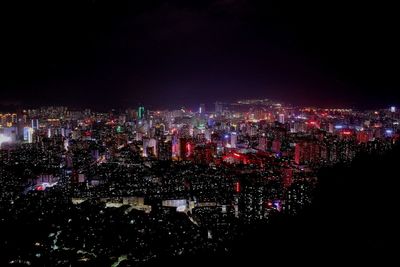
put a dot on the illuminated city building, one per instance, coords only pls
(141, 113)
(218, 108)
(28, 134)
(164, 149)
(202, 109)
(281, 118)
(234, 138)
(186, 148)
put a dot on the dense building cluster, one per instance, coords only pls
(138, 185)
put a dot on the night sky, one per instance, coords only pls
(104, 54)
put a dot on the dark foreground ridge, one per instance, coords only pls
(353, 219)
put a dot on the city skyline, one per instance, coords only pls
(209, 107)
(142, 187)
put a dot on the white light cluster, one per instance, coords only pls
(4, 139)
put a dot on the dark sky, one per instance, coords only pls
(105, 54)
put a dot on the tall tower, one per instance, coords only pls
(141, 113)
(233, 139)
(35, 124)
(202, 109)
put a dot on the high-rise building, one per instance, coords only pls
(251, 201)
(186, 148)
(301, 153)
(202, 109)
(141, 113)
(35, 124)
(330, 128)
(262, 143)
(131, 114)
(276, 146)
(164, 150)
(20, 126)
(281, 118)
(175, 146)
(186, 131)
(233, 139)
(28, 132)
(218, 108)
(287, 177)
(159, 131)
(306, 152)
(149, 147)
(14, 118)
(203, 154)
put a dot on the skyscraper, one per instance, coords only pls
(287, 177)
(281, 118)
(141, 113)
(262, 143)
(149, 147)
(301, 153)
(233, 139)
(202, 109)
(164, 149)
(218, 107)
(27, 136)
(35, 124)
(276, 146)
(186, 148)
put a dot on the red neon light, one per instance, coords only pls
(237, 187)
(39, 188)
(346, 132)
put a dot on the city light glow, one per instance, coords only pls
(4, 139)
